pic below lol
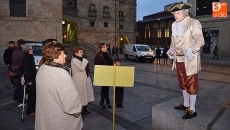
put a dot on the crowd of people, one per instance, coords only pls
(54, 85)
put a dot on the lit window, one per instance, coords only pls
(158, 32)
(147, 31)
(166, 32)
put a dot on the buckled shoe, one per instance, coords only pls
(189, 114)
(181, 107)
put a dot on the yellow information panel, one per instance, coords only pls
(113, 76)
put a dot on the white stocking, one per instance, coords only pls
(192, 102)
(186, 98)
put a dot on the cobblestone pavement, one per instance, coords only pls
(154, 84)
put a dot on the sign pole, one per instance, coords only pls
(114, 81)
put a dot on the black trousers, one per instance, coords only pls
(105, 95)
(31, 90)
(119, 95)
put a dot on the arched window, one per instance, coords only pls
(147, 31)
(155, 26)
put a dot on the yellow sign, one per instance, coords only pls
(122, 76)
(113, 76)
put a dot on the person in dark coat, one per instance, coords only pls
(102, 58)
(165, 55)
(215, 53)
(29, 72)
(7, 57)
(17, 57)
(158, 55)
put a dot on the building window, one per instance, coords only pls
(105, 24)
(91, 7)
(105, 12)
(105, 9)
(71, 3)
(204, 7)
(166, 32)
(92, 23)
(159, 32)
(92, 11)
(121, 26)
(154, 33)
(121, 15)
(18, 8)
(147, 31)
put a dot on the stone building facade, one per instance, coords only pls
(99, 21)
(71, 21)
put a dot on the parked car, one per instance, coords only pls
(139, 52)
(37, 51)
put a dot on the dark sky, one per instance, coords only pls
(147, 7)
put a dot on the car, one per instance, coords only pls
(37, 51)
(162, 49)
(139, 52)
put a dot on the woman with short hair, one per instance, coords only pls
(57, 102)
(29, 72)
(81, 77)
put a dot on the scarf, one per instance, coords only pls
(108, 59)
(55, 64)
(87, 70)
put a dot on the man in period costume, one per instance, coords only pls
(186, 42)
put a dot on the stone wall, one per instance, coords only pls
(43, 20)
(98, 33)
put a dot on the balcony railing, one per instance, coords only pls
(92, 13)
(106, 14)
(70, 11)
(122, 18)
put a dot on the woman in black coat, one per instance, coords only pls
(29, 71)
(102, 58)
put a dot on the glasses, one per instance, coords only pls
(80, 52)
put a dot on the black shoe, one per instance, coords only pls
(180, 107)
(190, 114)
(102, 105)
(109, 106)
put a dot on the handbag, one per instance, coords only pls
(14, 72)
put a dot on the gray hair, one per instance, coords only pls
(184, 11)
(25, 49)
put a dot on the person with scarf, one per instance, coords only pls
(187, 40)
(57, 100)
(81, 77)
(102, 58)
